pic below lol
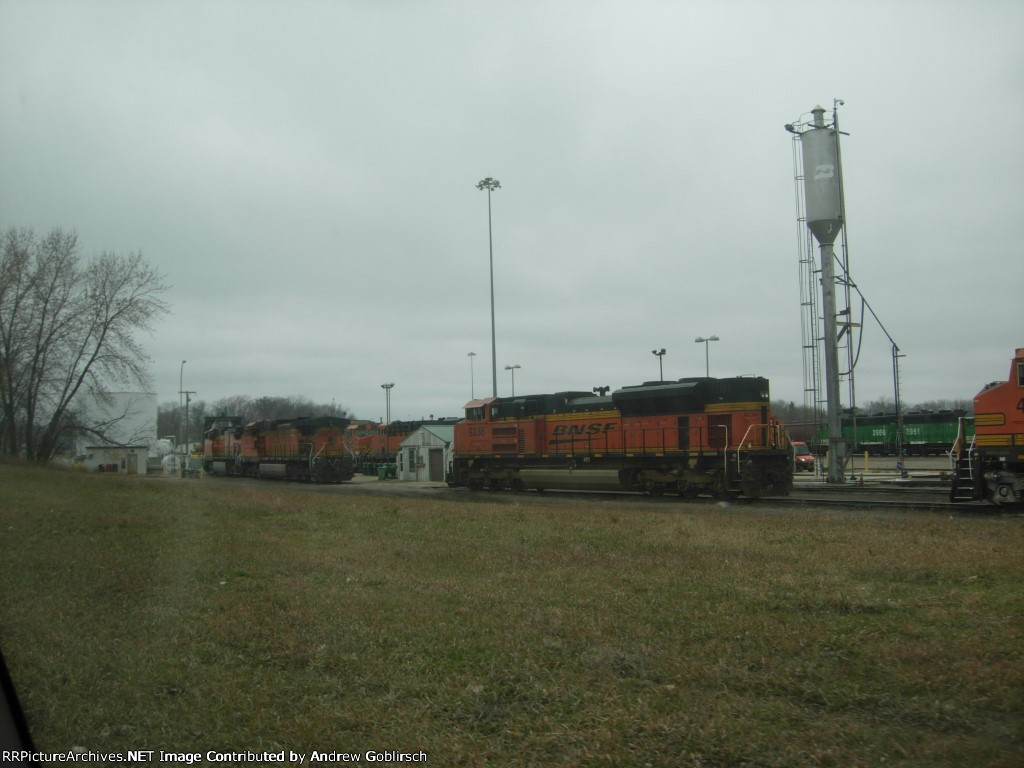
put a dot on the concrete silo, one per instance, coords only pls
(823, 203)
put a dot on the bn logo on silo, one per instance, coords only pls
(824, 172)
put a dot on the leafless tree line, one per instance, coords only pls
(68, 327)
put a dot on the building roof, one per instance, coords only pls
(443, 432)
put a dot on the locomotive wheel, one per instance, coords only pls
(627, 479)
(751, 487)
(719, 487)
(779, 482)
(751, 482)
(688, 490)
(652, 488)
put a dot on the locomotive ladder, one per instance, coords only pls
(966, 469)
(965, 485)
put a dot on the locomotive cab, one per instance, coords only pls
(999, 437)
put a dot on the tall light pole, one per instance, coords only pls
(513, 369)
(490, 185)
(387, 418)
(181, 392)
(387, 401)
(188, 398)
(660, 354)
(707, 355)
(472, 386)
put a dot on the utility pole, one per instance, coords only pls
(491, 185)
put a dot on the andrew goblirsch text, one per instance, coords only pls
(194, 758)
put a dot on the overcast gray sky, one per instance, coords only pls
(304, 173)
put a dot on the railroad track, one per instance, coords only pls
(935, 504)
(923, 498)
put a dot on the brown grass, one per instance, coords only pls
(186, 616)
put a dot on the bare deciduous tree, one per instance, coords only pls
(67, 328)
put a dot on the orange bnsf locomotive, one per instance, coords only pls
(691, 436)
(309, 449)
(991, 466)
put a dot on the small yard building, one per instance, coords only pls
(426, 453)
(126, 459)
(119, 428)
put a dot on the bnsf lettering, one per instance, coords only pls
(597, 428)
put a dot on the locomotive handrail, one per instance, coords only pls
(725, 454)
(779, 432)
(772, 435)
(956, 450)
(314, 458)
(309, 453)
(739, 446)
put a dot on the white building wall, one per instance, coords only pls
(426, 444)
(125, 418)
(130, 460)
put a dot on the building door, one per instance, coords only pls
(436, 465)
(133, 464)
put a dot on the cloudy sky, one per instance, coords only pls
(305, 175)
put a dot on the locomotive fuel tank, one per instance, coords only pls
(571, 479)
(275, 471)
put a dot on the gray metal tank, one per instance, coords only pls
(821, 179)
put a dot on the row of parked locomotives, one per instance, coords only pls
(925, 433)
(307, 449)
(371, 444)
(689, 437)
(990, 465)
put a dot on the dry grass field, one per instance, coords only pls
(191, 616)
